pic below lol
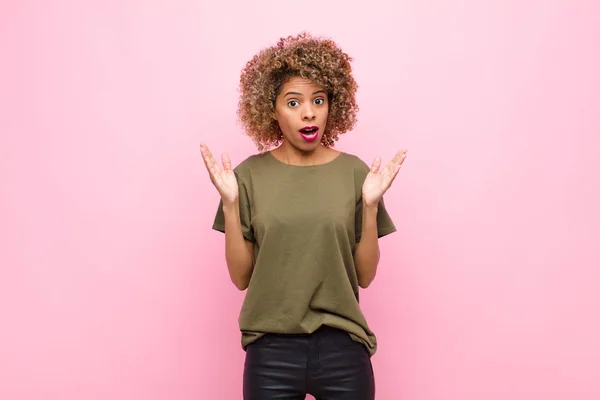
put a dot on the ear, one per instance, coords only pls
(273, 114)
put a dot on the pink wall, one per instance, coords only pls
(113, 286)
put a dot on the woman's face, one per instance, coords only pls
(301, 109)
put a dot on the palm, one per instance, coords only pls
(222, 177)
(379, 179)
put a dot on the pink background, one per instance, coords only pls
(113, 286)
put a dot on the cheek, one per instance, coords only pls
(287, 118)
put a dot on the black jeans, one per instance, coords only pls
(327, 364)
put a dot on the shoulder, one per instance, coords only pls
(357, 167)
(250, 165)
(356, 163)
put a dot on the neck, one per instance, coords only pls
(293, 156)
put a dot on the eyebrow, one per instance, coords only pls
(300, 94)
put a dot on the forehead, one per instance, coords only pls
(299, 84)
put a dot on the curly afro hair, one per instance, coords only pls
(319, 60)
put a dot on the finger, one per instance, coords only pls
(209, 161)
(399, 162)
(376, 165)
(391, 166)
(389, 177)
(395, 173)
(226, 162)
(397, 157)
(210, 157)
(400, 157)
(212, 161)
(204, 152)
(205, 155)
(394, 165)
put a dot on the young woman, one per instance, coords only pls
(301, 224)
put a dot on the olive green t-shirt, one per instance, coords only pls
(304, 222)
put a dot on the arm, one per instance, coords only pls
(376, 183)
(239, 252)
(366, 255)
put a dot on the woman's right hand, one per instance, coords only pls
(223, 178)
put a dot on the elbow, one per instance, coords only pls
(241, 285)
(239, 273)
(365, 273)
(366, 278)
(241, 281)
(365, 283)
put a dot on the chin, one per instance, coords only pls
(311, 145)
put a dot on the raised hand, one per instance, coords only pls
(379, 180)
(223, 178)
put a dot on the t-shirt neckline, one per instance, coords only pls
(305, 166)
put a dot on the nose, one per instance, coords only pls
(308, 114)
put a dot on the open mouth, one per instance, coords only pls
(309, 133)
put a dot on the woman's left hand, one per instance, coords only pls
(379, 180)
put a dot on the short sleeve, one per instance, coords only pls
(245, 214)
(385, 225)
